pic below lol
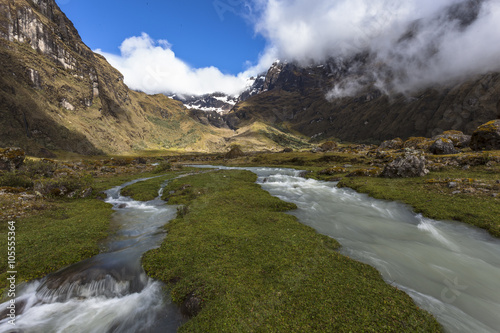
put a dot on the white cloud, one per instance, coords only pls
(151, 66)
(441, 49)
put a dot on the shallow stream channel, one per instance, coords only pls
(450, 269)
(109, 292)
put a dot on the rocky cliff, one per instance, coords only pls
(56, 94)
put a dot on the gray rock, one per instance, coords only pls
(407, 166)
(443, 147)
(452, 185)
(459, 139)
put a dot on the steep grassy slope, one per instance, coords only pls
(56, 94)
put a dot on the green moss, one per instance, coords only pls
(253, 268)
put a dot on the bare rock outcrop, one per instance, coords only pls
(406, 166)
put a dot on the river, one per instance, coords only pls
(109, 292)
(450, 269)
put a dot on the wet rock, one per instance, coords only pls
(487, 136)
(392, 144)
(407, 166)
(443, 146)
(11, 158)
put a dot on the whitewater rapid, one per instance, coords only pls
(109, 292)
(450, 269)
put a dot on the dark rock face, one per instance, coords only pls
(487, 136)
(407, 166)
(208, 118)
(443, 147)
(11, 158)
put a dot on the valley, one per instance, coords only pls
(347, 192)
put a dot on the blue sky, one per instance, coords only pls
(202, 46)
(202, 32)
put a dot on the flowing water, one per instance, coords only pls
(448, 268)
(109, 292)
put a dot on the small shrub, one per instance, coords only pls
(15, 179)
(41, 168)
(162, 167)
(61, 186)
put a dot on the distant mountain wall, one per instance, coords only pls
(304, 99)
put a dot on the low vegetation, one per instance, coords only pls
(66, 233)
(236, 262)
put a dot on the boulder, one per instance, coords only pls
(459, 139)
(392, 144)
(487, 136)
(443, 147)
(418, 143)
(409, 165)
(11, 158)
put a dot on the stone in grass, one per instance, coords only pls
(407, 166)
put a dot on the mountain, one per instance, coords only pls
(57, 95)
(367, 97)
(297, 97)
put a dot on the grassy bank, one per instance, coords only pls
(234, 258)
(433, 197)
(58, 231)
(66, 233)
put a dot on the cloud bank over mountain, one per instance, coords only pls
(412, 44)
(419, 42)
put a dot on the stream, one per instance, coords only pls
(109, 292)
(450, 269)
